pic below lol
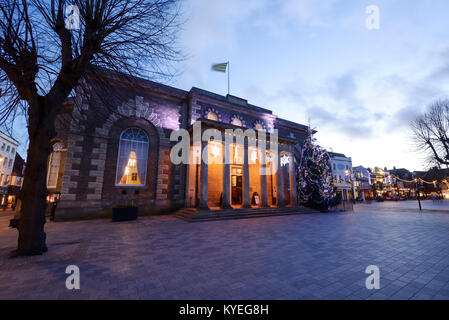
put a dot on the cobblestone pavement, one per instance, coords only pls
(411, 205)
(313, 256)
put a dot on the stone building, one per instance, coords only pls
(114, 149)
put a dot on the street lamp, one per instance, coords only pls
(417, 190)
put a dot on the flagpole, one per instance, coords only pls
(229, 71)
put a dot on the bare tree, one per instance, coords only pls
(45, 54)
(431, 133)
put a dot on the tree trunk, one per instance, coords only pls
(34, 190)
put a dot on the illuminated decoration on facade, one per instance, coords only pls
(254, 156)
(215, 150)
(131, 173)
(237, 122)
(284, 160)
(132, 158)
(212, 116)
(269, 157)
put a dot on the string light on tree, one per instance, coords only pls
(314, 175)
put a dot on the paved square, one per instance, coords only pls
(314, 256)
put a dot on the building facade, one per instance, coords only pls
(119, 152)
(362, 183)
(16, 180)
(342, 172)
(8, 149)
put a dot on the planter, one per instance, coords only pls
(14, 223)
(124, 214)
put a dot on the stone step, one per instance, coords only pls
(194, 215)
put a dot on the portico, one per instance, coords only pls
(241, 171)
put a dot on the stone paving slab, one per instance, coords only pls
(316, 256)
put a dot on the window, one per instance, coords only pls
(132, 158)
(8, 148)
(13, 150)
(212, 116)
(3, 146)
(10, 163)
(259, 127)
(53, 166)
(237, 122)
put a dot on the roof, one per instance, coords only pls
(7, 137)
(335, 154)
(230, 99)
(234, 100)
(293, 124)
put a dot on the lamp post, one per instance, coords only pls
(417, 190)
(351, 181)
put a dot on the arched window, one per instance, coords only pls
(132, 158)
(53, 165)
(237, 122)
(212, 116)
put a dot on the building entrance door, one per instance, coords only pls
(236, 185)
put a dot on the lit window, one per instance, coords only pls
(132, 158)
(259, 127)
(237, 122)
(53, 166)
(212, 116)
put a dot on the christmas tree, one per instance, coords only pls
(315, 181)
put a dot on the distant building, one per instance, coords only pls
(403, 183)
(362, 183)
(8, 149)
(16, 182)
(341, 170)
(439, 177)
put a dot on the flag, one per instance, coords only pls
(220, 67)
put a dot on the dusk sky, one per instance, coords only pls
(317, 59)
(308, 59)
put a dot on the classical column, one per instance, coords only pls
(204, 176)
(263, 177)
(280, 195)
(246, 198)
(226, 204)
(292, 174)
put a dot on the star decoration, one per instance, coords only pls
(215, 150)
(268, 157)
(284, 160)
(254, 156)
